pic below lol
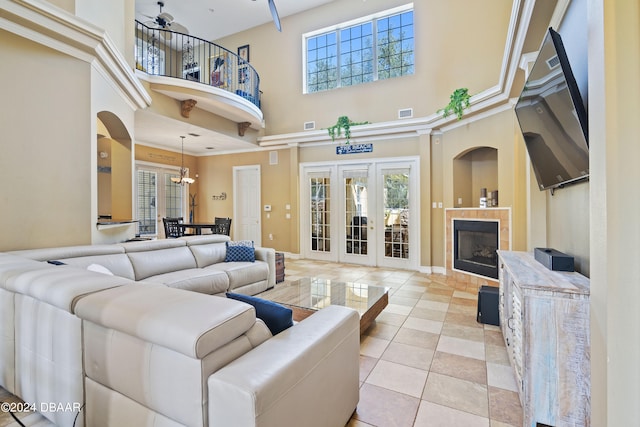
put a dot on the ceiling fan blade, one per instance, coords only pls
(274, 14)
(178, 28)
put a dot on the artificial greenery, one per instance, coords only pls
(345, 124)
(458, 101)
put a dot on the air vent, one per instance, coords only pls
(309, 125)
(273, 157)
(553, 62)
(193, 134)
(406, 113)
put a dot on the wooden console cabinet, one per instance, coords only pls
(544, 317)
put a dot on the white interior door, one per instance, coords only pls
(246, 222)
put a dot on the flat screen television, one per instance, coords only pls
(553, 118)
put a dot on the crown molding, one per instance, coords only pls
(57, 29)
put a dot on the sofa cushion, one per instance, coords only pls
(62, 286)
(247, 243)
(276, 316)
(240, 254)
(243, 273)
(206, 281)
(118, 264)
(208, 254)
(187, 322)
(45, 254)
(154, 262)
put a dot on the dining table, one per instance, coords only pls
(197, 227)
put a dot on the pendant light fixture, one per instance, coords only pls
(183, 179)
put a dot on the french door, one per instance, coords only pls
(158, 197)
(360, 212)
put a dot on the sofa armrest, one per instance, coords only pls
(293, 377)
(269, 256)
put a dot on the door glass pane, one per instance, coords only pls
(396, 214)
(147, 207)
(173, 197)
(356, 214)
(320, 208)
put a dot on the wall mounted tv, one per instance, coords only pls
(553, 119)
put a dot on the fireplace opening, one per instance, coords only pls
(474, 247)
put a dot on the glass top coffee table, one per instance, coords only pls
(310, 294)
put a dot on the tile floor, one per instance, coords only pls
(425, 361)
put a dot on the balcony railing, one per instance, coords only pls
(162, 52)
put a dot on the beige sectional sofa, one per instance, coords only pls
(149, 341)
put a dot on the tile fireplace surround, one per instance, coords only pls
(502, 215)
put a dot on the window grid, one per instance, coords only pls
(320, 214)
(396, 212)
(378, 49)
(172, 197)
(395, 45)
(147, 207)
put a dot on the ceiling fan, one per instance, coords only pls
(164, 21)
(274, 14)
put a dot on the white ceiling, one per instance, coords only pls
(209, 20)
(214, 19)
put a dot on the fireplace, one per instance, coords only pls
(474, 247)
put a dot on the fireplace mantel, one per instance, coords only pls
(502, 215)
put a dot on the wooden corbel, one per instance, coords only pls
(186, 106)
(243, 126)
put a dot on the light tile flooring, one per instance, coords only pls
(425, 361)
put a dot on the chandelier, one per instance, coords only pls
(183, 179)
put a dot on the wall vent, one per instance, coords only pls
(553, 62)
(273, 157)
(405, 113)
(309, 125)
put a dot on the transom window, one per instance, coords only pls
(372, 48)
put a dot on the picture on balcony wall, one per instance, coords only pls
(220, 66)
(243, 75)
(243, 54)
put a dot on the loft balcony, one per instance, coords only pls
(185, 67)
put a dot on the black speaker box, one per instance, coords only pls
(488, 306)
(553, 260)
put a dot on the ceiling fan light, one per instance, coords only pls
(175, 179)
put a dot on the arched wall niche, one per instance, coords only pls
(115, 168)
(474, 169)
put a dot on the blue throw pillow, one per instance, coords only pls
(240, 254)
(277, 317)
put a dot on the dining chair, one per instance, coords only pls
(223, 225)
(171, 229)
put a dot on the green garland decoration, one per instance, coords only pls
(345, 124)
(458, 101)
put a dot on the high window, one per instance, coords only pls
(377, 47)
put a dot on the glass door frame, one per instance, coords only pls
(376, 229)
(160, 170)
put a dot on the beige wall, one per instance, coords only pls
(440, 68)
(216, 177)
(46, 144)
(614, 108)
